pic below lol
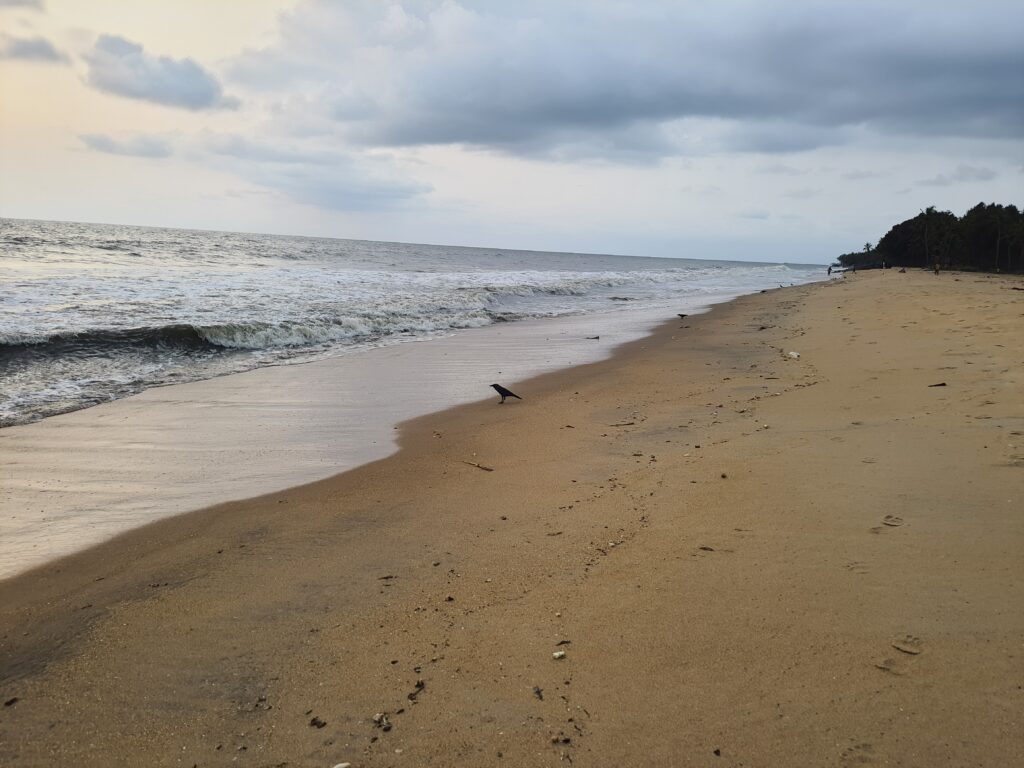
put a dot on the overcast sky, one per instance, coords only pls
(736, 129)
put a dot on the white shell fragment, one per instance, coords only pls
(558, 655)
(794, 355)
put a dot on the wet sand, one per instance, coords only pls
(75, 480)
(747, 559)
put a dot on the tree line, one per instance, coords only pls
(988, 238)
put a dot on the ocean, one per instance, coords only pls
(91, 313)
(330, 345)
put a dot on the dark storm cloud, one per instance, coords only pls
(30, 49)
(121, 67)
(651, 78)
(132, 146)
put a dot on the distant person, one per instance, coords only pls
(830, 270)
(936, 267)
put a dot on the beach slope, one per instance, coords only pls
(703, 551)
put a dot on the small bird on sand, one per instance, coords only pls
(505, 393)
(682, 316)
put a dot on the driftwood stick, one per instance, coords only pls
(479, 466)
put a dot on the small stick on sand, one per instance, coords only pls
(479, 466)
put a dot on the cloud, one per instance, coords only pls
(34, 4)
(121, 67)
(132, 146)
(780, 169)
(322, 177)
(241, 148)
(860, 175)
(569, 80)
(803, 193)
(30, 49)
(963, 173)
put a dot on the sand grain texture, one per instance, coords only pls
(756, 560)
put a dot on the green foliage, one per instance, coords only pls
(987, 238)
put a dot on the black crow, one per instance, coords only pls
(504, 393)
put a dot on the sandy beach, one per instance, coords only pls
(704, 551)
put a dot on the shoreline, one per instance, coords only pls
(174, 449)
(769, 560)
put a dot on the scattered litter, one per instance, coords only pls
(343, 765)
(316, 722)
(538, 692)
(793, 355)
(558, 655)
(381, 721)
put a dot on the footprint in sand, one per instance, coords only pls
(889, 521)
(892, 666)
(856, 567)
(860, 753)
(909, 646)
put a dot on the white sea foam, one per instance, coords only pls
(89, 312)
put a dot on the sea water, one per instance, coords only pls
(319, 338)
(90, 313)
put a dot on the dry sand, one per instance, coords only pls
(748, 560)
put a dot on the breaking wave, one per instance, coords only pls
(90, 313)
